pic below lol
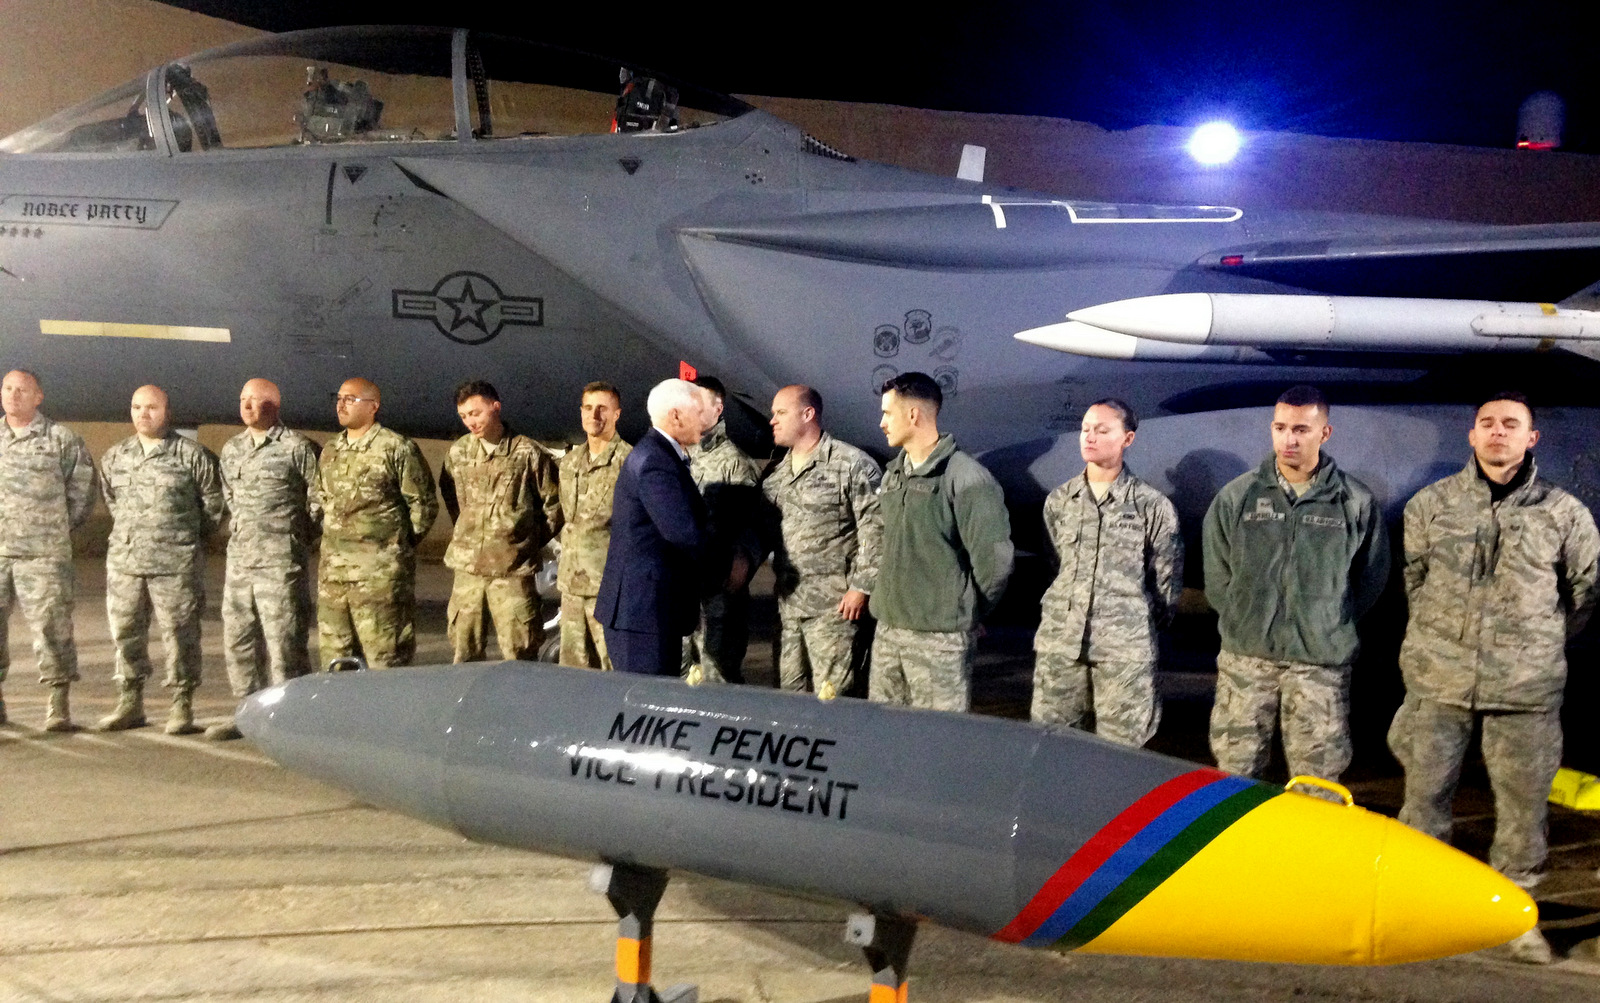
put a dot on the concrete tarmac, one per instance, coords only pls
(135, 866)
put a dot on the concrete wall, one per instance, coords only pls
(61, 52)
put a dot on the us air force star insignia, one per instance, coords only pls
(468, 307)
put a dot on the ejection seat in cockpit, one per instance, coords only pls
(331, 110)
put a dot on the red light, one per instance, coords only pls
(687, 372)
(1528, 144)
(1232, 260)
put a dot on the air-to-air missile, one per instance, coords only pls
(1247, 327)
(1052, 839)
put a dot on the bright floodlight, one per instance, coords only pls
(1214, 143)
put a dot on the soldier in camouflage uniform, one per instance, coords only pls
(165, 495)
(588, 476)
(1120, 557)
(1500, 570)
(946, 558)
(1295, 554)
(500, 490)
(824, 496)
(731, 485)
(275, 508)
(47, 489)
(378, 500)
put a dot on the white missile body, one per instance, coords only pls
(1337, 323)
(1099, 343)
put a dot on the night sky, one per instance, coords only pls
(1426, 71)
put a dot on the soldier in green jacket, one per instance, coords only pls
(500, 489)
(588, 476)
(1501, 569)
(1120, 561)
(947, 555)
(378, 500)
(165, 495)
(275, 509)
(824, 497)
(1295, 553)
(731, 485)
(47, 489)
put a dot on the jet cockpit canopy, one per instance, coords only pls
(371, 85)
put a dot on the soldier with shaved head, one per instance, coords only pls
(165, 495)
(275, 506)
(378, 500)
(46, 490)
(824, 498)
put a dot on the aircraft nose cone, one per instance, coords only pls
(1430, 897)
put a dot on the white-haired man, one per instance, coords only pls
(650, 592)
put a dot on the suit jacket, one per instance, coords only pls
(653, 577)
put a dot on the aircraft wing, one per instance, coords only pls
(1543, 263)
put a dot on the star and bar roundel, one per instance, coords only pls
(468, 307)
(1137, 851)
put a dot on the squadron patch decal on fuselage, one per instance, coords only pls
(87, 210)
(468, 307)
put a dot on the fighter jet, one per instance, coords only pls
(422, 206)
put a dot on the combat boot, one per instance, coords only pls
(1531, 949)
(129, 712)
(225, 731)
(180, 719)
(57, 717)
(2, 708)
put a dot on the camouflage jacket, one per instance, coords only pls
(586, 485)
(730, 483)
(504, 505)
(1121, 570)
(47, 489)
(377, 502)
(274, 500)
(1495, 590)
(163, 504)
(1289, 577)
(947, 552)
(828, 531)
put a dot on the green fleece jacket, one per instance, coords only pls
(1290, 578)
(946, 542)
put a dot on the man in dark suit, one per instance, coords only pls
(650, 592)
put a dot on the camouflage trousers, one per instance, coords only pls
(511, 603)
(930, 669)
(43, 587)
(372, 619)
(1522, 751)
(265, 625)
(583, 642)
(1311, 701)
(719, 644)
(1122, 695)
(176, 602)
(814, 650)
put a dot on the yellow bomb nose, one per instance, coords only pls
(1299, 879)
(1433, 899)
